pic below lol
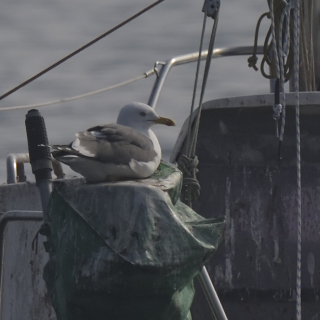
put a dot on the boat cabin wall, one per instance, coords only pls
(23, 291)
(243, 179)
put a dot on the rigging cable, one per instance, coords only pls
(274, 41)
(48, 103)
(189, 161)
(188, 164)
(195, 85)
(282, 62)
(268, 58)
(279, 58)
(284, 48)
(296, 30)
(79, 50)
(204, 81)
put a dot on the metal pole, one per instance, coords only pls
(211, 295)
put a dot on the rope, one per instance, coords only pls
(296, 24)
(43, 104)
(281, 52)
(79, 50)
(284, 47)
(188, 163)
(191, 185)
(273, 61)
(195, 85)
(274, 43)
(204, 81)
(252, 61)
(281, 59)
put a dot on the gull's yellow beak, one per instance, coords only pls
(165, 121)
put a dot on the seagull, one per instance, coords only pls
(128, 149)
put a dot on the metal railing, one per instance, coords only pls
(189, 58)
(15, 162)
(15, 167)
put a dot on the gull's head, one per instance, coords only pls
(140, 116)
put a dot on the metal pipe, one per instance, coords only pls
(211, 295)
(193, 57)
(12, 161)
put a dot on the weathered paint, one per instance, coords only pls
(23, 291)
(254, 270)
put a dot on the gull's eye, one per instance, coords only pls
(142, 114)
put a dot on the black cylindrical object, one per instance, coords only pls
(40, 156)
(39, 152)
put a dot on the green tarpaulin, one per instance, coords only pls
(126, 250)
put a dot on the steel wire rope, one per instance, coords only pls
(195, 85)
(274, 42)
(79, 50)
(267, 59)
(296, 30)
(204, 80)
(189, 161)
(187, 164)
(205, 281)
(48, 103)
(284, 48)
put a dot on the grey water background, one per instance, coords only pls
(36, 33)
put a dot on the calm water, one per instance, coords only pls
(36, 33)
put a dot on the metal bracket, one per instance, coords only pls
(211, 8)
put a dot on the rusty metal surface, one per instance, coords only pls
(242, 179)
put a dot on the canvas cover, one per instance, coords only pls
(126, 250)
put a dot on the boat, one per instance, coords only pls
(267, 264)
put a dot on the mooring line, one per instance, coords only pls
(79, 50)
